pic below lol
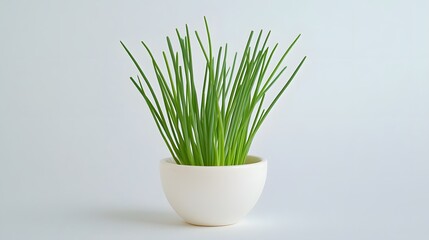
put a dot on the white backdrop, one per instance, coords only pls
(347, 144)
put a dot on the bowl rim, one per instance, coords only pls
(256, 161)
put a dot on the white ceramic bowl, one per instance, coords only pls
(213, 195)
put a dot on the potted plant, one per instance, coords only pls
(210, 179)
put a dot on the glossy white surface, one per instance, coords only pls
(213, 196)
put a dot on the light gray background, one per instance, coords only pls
(347, 144)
